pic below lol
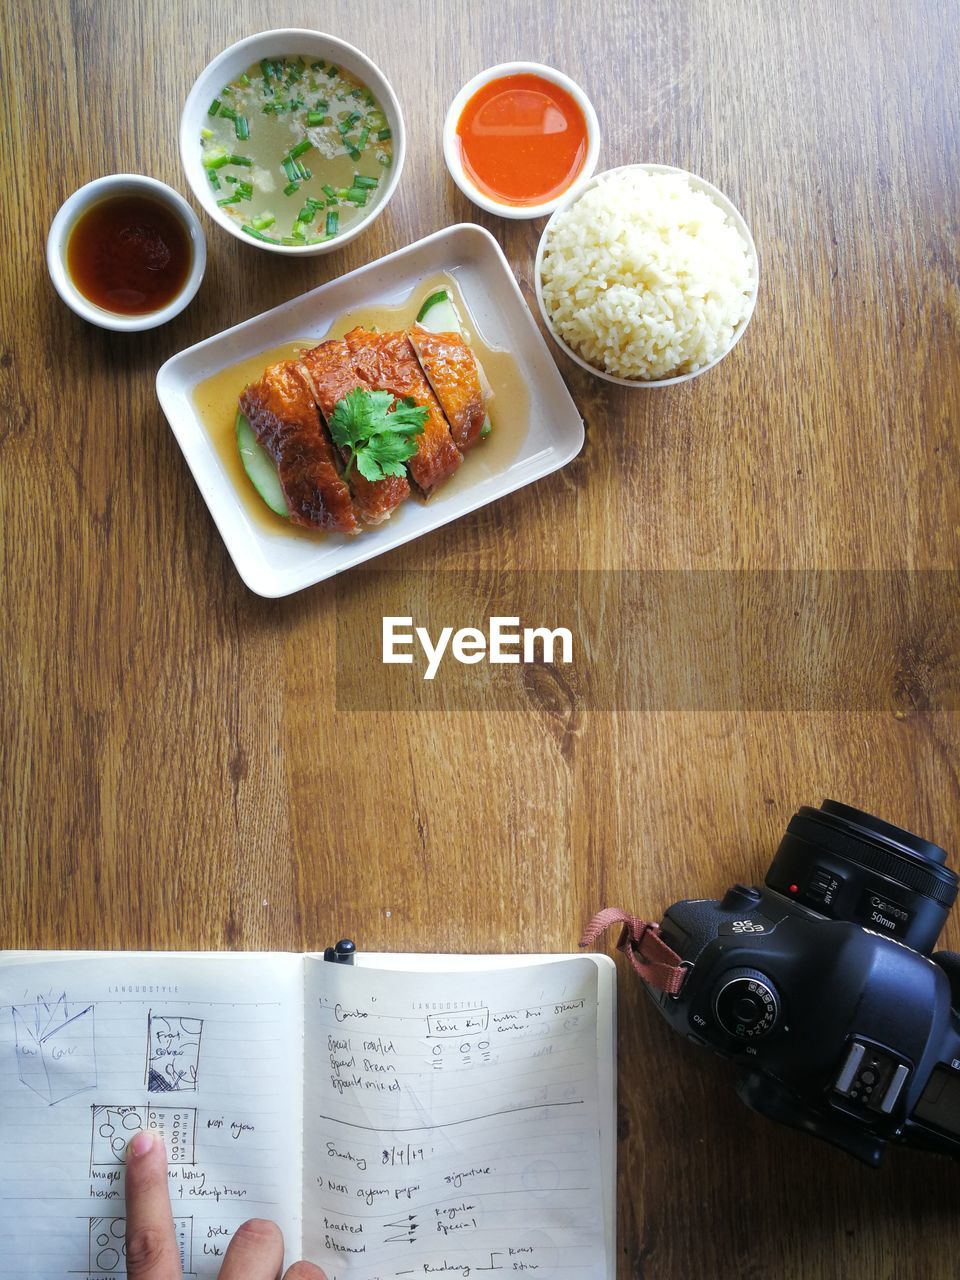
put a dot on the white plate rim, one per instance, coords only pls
(262, 582)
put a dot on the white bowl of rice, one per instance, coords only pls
(647, 276)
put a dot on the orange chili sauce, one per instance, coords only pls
(129, 254)
(523, 139)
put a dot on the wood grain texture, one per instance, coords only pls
(175, 770)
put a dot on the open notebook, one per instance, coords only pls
(406, 1116)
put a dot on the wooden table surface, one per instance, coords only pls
(176, 769)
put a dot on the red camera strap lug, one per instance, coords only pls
(657, 964)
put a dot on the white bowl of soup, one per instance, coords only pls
(293, 141)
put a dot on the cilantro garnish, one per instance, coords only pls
(380, 441)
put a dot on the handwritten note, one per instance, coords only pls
(451, 1123)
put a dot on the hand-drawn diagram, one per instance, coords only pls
(108, 1251)
(56, 1054)
(114, 1126)
(405, 1229)
(173, 1053)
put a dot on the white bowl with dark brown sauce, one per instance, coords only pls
(103, 291)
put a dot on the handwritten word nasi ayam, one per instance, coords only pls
(503, 643)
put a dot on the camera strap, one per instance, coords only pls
(657, 964)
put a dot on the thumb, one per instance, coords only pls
(152, 1252)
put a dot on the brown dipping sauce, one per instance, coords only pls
(129, 254)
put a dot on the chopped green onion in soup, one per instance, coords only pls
(284, 111)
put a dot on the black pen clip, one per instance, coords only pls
(342, 953)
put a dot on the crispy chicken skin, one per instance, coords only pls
(328, 369)
(388, 362)
(281, 411)
(452, 372)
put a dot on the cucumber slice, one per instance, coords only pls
(261, 468)
(440, 296)
(439, 315)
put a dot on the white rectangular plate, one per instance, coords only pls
(277, 564)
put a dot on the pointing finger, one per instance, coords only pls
(152, 1252)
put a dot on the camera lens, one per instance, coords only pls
(849, 865)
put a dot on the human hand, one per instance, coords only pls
(254, 1253)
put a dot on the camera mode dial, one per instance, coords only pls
(746, 1004)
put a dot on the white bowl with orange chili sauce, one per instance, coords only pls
(520, 137)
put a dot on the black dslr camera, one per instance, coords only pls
(822, 987)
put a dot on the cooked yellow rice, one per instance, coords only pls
(646, 277)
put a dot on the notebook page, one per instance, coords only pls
(451, 1123)
(206, 1049)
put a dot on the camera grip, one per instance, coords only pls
(771, 1098)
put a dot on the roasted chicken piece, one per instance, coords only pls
(388, 362)
(281, 411)
(453, 373)
(329, 370)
